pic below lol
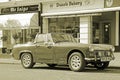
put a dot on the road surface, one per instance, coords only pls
(43, 72)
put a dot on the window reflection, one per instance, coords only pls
(18, 28)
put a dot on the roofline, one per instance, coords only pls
(81, 12)
(18, 3)
(22, 3)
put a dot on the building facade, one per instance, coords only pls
(89, 21)
(19, 22)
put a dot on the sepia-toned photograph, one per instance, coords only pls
(59, 39)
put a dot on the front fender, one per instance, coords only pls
(82, 51)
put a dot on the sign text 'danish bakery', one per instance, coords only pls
(72, 5)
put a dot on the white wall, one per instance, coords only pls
(85, 29)
(45, 25)
(1, 41)
(117, 29)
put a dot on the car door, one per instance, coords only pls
(44, 49)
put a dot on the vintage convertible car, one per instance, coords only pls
(62, 49)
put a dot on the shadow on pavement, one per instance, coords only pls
(111, 69)
(114, 67)
(62, 68)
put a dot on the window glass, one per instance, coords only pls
(68, 25)
(41, 38)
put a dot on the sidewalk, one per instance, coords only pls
(116, 62)
(10, 60)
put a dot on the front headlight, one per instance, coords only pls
(112, 48)
(91, 49)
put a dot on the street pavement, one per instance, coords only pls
(10, 60)
(116, 62)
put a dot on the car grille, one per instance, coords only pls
(102, 53)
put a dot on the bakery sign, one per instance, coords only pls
(72, 5)
(19, 9)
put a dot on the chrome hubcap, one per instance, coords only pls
(26, 60)
(75, 62)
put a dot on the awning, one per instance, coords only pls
(80, 12)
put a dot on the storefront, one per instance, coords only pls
(89, 21)
(19, 23)
(114, 6)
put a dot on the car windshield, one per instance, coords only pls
(63, 38)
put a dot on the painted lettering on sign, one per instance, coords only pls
(71, 3)
(75, 3)
(61, 4)
(21, 9)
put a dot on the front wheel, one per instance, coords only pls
(76, 62)
(27, 60)
(101, 65)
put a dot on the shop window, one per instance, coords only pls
(68, 25)
(96, 33)
(17, 29)
(41, 38)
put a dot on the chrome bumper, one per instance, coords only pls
(102, 59)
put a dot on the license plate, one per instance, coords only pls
(106, 58)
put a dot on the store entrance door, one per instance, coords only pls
(101, 33)
(106, 33)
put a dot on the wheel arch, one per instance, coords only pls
(22, 52)
(75, 50)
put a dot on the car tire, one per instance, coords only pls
(51, 65)
(27, 60)
(76, 62)
(101, 65)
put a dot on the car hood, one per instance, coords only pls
(100, 46)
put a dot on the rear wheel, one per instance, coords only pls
(76, 62)
(101, 65)
(27, 60)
